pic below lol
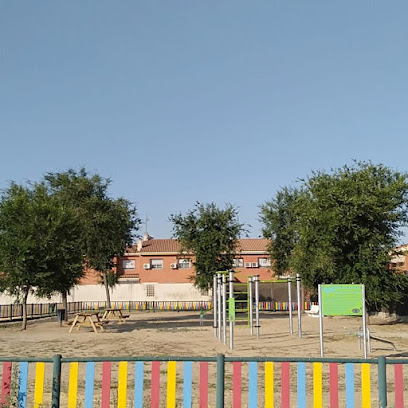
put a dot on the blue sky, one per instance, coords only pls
(210, 101)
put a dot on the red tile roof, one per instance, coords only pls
(173, 246)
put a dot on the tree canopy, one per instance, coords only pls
(107, 224)
(210, 234)
(340, 227)
(39, 251)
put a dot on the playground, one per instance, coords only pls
(180, 333)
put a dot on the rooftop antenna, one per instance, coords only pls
(146, 221)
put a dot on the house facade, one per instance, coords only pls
(160, 261)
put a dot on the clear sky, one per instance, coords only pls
(211, 101)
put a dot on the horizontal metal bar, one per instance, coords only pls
(26, 359)
(301, 360)
(139, 358)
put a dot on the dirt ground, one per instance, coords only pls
(180, 334)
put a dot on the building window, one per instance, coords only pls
(238, 263)
(183, 264)
(150, 290)
(156, 263)
(264, 262)
(128, 264)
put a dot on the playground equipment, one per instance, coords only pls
(220, 306)
(274, 295)
(248, 298)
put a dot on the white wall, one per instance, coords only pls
(125, 292)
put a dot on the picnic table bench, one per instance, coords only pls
(87, 319)
(112, 313)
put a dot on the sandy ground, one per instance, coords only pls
(180, 333)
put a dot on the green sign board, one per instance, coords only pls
(231, 310)
(342, 300)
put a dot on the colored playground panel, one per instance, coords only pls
(342, 300)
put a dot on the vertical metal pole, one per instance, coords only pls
(290, 306)
(56, 381)
(231, 296)
(215, 304)
(382, 382)
(321, 321)
(220, 381)
(219, 305)
(364, 320)
(250, 306)
(224, 309)
(257, 326)
(299, 307)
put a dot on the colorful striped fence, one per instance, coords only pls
(202, 382)
(283, 306)
(151, 305)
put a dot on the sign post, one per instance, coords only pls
(342, 300)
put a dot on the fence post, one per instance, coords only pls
(220, 381)
(382, 382)
(56, 381)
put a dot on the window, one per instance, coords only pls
(128, 264)
(264, 262)
(184, 264)
(238, 263)
(156, 263)
(150, 290)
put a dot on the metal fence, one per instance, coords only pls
(15, 311)
(203, 382)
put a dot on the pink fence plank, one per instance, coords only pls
(334, 385)
(106, 383)
(5, 387)
(285, 386)
(236, 384)
(399, 386)
(204, 384)
(155, 385)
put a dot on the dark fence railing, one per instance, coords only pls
(15, 311)
(202, 381)
(35, 310)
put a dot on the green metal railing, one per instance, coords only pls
(224, 384)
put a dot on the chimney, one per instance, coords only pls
(139, 245)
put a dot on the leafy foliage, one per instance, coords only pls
(342, 228)
(211, 234)
(107, 224)
(278, 217)
(39, 250)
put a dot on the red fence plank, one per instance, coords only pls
(236, 384)
(285, 385)
(204, 384)
(334, 385)
(155, 385)
(106, 383)
(399, 386)
(5, 387)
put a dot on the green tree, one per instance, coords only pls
(346, 222)
(107, 224)
(278, 217)
(35, 235)
(210, 234)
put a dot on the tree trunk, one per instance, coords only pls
(105, 283)
(25, 297)
(65, 304)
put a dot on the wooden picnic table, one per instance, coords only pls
(112, 313)
(87, 319)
